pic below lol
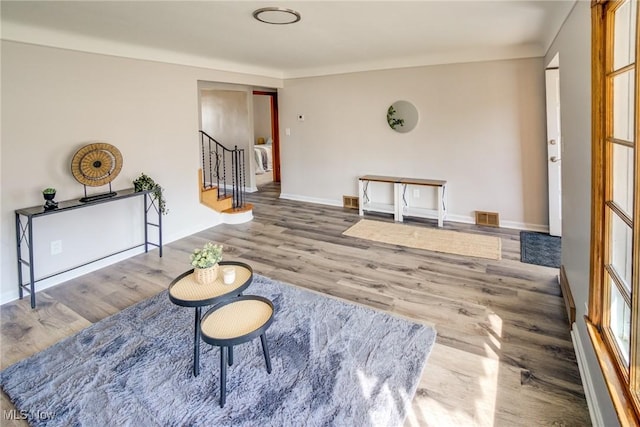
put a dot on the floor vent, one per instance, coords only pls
(350, 202)
(491, 219)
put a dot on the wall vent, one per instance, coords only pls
(350, 202)
(492, 219)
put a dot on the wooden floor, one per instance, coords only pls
(503, 355)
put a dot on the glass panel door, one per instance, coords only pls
(620, 185)
(620, 321)
(623, 178)
(614, 309)
(624, 30)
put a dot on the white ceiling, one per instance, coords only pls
(332, 37)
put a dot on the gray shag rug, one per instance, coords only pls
(334, 363)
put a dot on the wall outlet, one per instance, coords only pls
(416, 193)
(56, 247)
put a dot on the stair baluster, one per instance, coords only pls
(218, 155)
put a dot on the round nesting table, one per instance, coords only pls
(186, 292)
(236, 321)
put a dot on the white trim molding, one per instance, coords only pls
(329, 202)
(449, 217)
(58, 279)
(587, 383)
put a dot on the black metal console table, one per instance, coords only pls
(24, 233)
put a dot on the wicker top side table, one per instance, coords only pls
(236, 321)
(186, 292)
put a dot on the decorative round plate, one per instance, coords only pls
(96, 164)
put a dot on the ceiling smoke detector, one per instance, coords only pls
(276, 15)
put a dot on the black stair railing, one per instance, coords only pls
(215, 159)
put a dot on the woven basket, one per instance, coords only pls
(204, 276)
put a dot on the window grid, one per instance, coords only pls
(614, 311)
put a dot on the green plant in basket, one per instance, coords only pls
(207, 256)
(146, 183)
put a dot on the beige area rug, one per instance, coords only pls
(451, 242)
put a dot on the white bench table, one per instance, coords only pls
(400, 208)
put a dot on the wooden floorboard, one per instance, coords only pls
(503, 355)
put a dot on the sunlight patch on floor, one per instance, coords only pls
(449, 370)
(488, 381)
(431, 413)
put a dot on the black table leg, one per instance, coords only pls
(265, 350)
(230, 355)
(32, 277)
(223, 376)
(196, 343)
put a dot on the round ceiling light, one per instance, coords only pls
(276, 15)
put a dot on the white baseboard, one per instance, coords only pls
(503, 224)
(41, 285)
(316, 200)
(450, 217)
(525, 226)
(589, 390)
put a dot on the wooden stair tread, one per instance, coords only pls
(210, 197)
(214, 188)
(244, 208)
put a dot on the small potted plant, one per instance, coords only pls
(205, 263)
(49, 194)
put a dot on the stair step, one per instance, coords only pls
(218, 196)
(245, 208)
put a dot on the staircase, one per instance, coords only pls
(222, 180)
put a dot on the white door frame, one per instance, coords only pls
(554, 147)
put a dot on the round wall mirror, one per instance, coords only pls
(402, 116)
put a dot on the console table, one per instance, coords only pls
(400, 207)
(25, 234)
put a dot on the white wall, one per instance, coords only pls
(261, 117)
(226, 116)
(55, 101)
(481, 127)
(573, 44)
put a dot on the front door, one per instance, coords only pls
(554, 150)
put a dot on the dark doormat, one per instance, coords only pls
(540, 249)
